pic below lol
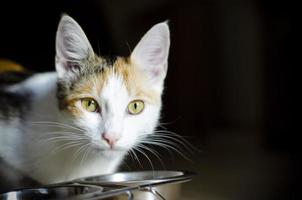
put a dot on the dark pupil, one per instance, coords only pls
(89, 103)
(135, 106)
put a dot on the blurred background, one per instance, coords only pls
(228, 90)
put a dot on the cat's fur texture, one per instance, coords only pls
(47, 135)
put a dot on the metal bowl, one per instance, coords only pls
(53, 192)
(143, 184)
(137, 178)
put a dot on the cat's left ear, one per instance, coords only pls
(72, 47)
(151, 53)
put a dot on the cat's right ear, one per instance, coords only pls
(72, 46)
(151, 53)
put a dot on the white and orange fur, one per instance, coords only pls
(57, 140)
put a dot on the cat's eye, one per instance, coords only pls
(135, 107)
(90, 104)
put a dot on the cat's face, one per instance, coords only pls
(116, 101)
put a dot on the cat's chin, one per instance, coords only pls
(112, 153)
(108, 152)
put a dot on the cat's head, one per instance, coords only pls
(116, 101)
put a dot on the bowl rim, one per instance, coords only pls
(181, 175)
(97, 190)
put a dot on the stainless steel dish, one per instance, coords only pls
(71, 191)
(151, 178)
(141, 184)
(136, 185)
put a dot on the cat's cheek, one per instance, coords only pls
(90, 122)
(130, 134)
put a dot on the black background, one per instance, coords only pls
(229, 88)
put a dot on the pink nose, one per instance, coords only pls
(111, 139)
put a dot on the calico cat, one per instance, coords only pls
(84, 118)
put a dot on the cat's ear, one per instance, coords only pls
(151, 53)
(72, 46)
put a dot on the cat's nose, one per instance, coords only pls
(111, 139)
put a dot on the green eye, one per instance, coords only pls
(135, 107)
(89, 104)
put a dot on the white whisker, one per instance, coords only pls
(136, 157)
(166, 145)
(175, 140)
(86, 147)
(155, 153)
(66, 146)
(137, 148)
(58, 124)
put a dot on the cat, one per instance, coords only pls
(84, 118)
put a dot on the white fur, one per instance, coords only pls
(27, 145)
(22, 146)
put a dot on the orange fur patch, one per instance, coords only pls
(136, 81)
(92, 85)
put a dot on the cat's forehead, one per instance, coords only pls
(115, 78)
(116, 75)
(113, 82)
(122, 79)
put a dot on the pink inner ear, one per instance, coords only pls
(155, 72)
(156, 57)
(157, 51)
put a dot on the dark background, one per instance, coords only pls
(229, 88)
